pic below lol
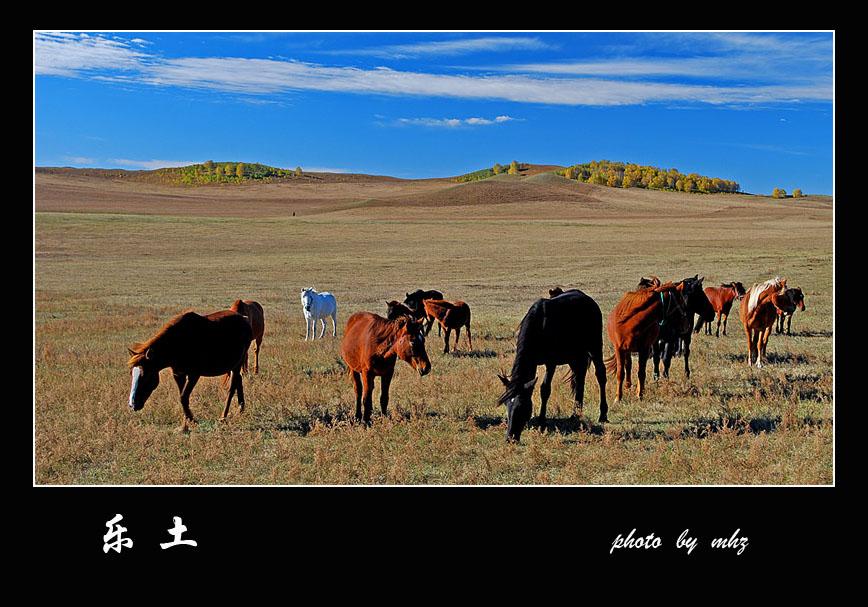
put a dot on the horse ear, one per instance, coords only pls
(503, 379)
(529, 385)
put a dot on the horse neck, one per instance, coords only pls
(388, 332)
(527, 344)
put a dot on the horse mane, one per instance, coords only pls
(384, 331)
(759, 289)
(636, 300)
(528, 332)
(139, 350)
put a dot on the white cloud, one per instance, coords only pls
(452, 122)
(594, 83)
(153, 163)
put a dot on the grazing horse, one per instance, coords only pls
(415, 300)
(256, 317)
(317, 307)
(371, 346)
(633, 326)
(674, 334)
(193, 346)
(799, 300)
(758, 311)
(721, 299)
(562, 330)
(395, 310)
(450, 316)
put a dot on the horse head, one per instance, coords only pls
(695, 299)
(307, 298)
(519, 406)
(145, 374)
(738, 289)
(410, 345)
(798, 298)
(555, 292)
(395, 310)
(648, 283)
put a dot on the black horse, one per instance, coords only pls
(677, 328)
(563, 330)
(414, 302)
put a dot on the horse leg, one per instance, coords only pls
(620, 368)
(628, 369)
(687, 356)
(469, 340)
(640, 372)
(322, 331)
(724, 316)
(257, 346)
(368, 390)
(667, 358)
(600, 371)
(234, 387)
(579, 369)
(185, 399)
(789, 324)
(751, 347)
(306, 327)
(764, 342)
(457, 336)
(446, 350)
(656, 354)
(545, 390)
(357, 386)
(385, 381)
(335, 323)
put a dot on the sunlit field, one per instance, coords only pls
(104, 281)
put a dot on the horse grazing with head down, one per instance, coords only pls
(371, 346)
(317, 307)
(759, 310)
(450, 316)
(415, 300)
(675, 333)
(563, 330)
(193, 346)
(256, 317)
(634, 324)
(799, 301)
(721, 299)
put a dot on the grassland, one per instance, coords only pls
(113, 262)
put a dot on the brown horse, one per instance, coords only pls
(450, 316)
(758, 311)
(395, 310)
(799, 300)
(371, 346)
(633, 326)
(256, 317)
(721, 299)
(193, 346)
(415, 300)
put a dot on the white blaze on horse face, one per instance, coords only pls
(136, 374)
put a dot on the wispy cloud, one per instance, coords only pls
(152, 164)
(596, 83)
(451, 47)
(453, 122)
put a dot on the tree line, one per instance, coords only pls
(629, 175)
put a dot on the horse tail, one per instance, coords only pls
(611, 364)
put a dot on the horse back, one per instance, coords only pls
(254, 313)
(209, 345)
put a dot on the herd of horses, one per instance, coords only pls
(655, 320)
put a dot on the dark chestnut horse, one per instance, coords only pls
(633, 326)
(759, 310)
(450, 316)
(721, 299)
(414, 302)
(193, 346)
(395, 310)
(371, 346)
(675, 333)
(563, 330)
(799, 300)
(256, 317)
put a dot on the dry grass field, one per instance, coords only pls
(115, 261)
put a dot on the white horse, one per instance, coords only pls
(317, 307)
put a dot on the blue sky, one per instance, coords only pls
(753, 107)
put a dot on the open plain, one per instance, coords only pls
(115, 260)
